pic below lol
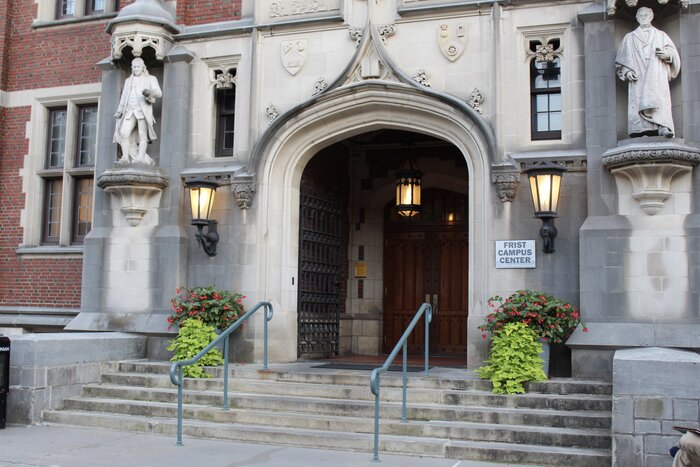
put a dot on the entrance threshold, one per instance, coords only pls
(447, 361)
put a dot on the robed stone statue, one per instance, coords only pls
(135, 120)
(648, 60)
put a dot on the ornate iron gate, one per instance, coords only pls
(320, 271)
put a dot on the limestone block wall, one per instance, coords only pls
(644, 414)
(47, 368)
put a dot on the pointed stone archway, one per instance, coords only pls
(279, 159)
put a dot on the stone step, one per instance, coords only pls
(414, 395)
(592, 438)
(329, 406)
(390, 379)
(571, 457)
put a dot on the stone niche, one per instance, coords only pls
(645, 170)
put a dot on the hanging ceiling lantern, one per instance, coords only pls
(408, 186)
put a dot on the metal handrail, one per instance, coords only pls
(177, 366)
(402, 343)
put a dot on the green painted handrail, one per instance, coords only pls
(177, 366)
(401, 344)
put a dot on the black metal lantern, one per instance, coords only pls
(408, 186)
(545, 183)
(202, 193)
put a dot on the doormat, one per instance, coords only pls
(367, 366)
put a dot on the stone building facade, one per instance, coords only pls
(302, 112)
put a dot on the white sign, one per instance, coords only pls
(515, 254)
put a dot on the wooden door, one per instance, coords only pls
(429, 265)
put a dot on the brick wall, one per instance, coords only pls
(27, 280)
(191, 12)
(54, 56)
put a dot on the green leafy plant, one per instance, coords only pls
(553, 319)
(192, 337)
(513, 359)
(212, 306)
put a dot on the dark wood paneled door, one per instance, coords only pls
(426, 265)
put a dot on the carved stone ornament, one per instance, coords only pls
(506, 184)
(136, 189)
(650, 168)
(138, 41)
(355, 34)
(319, 86)
(272, 113)
(294, 55)
(544, 48)
(224, 79)
(244, 193)
(452, 41)
(475, 100)
(386, 31)
(612, 5)
(421, 77)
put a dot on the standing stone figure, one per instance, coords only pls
(648, 60)
(135, 121)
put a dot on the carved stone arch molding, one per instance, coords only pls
(280, 157)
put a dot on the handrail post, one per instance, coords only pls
(376, 423)
(265, 337)
(226, 372)
(405, 363)
(179, 406)
(428, 319)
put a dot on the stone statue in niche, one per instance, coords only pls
(647, 59)
(135, 120)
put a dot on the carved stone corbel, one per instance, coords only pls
(135, 189)
(507, 183)
(244, 192)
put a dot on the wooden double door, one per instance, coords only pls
(427, 265)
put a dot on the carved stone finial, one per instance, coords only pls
(475, 100)
(272, 113)
(421, 77)
(355, 34)
(244, 193)
(319, 86)
(386, 31)
(506, 184)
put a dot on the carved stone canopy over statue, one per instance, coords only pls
(647, 59)
(135, 120)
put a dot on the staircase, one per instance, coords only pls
(452, 414)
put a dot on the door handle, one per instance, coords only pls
(435, 304)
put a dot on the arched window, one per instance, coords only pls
(545, 91)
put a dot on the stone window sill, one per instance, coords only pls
(50, 250)
(74, 20)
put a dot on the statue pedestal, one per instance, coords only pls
(636, 269)
(134, 190)
(649, 166)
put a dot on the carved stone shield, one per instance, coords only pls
(294, 55)
(452, 40)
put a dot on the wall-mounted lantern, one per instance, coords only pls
(202, 193)
(408, 186)
(545, 184)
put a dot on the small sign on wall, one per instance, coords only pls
(360, 270)
(515, 254)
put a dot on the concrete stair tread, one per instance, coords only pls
(300, 384)
(529, 447)
(391, 378)
(341, 418)
(345, 402)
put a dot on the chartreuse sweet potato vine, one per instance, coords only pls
(513, 359)
(192, 337)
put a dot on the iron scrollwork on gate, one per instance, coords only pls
(320, 272)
